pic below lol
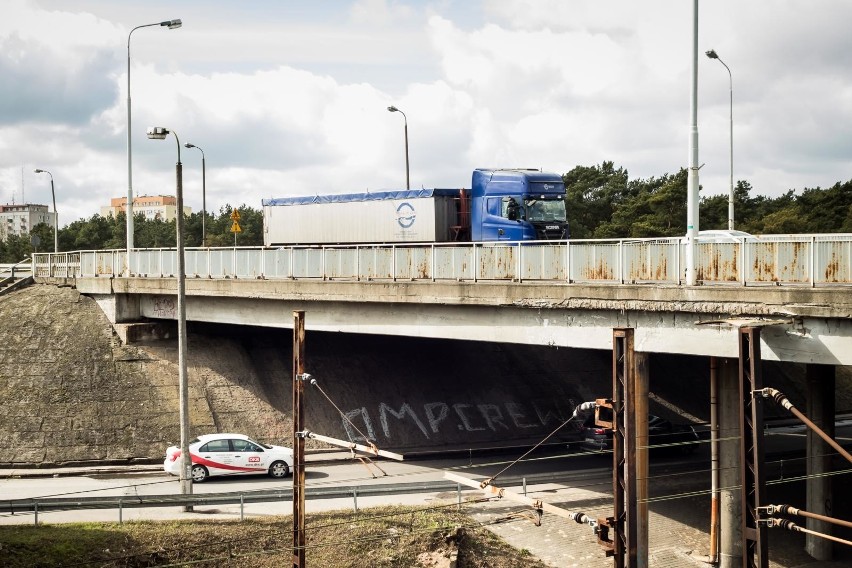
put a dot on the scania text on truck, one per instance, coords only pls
(501, 205)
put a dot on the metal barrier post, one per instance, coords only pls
(120, 513)
(35, 510)
(458, 496)
(520, 263)
(355, 497)
(813, 265)
(524, 481)
(242, 514)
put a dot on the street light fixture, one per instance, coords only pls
(171, 24)
(55, 214)
(405, 118)
(203, 193)
(160, 133)
(713, 55)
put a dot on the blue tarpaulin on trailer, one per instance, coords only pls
(365, 196)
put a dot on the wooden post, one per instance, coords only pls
(624, 450)
(298, 440)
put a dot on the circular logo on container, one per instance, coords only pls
(405, 215)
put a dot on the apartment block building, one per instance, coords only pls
(162, 207)
(20, 219)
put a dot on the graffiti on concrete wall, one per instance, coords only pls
(164, 308)
(434, 418)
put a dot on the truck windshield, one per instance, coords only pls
(545, 210)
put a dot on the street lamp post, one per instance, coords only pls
(713, 55)
(692, 183)
(203, 193)
(171, 24)
(55, 214)
(160, 133)
(405, 118)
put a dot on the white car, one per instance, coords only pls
(724, 236)
(230, 454)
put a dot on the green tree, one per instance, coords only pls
(591, 195)
(251, 223)
(155, 233)
(827, 210)
(654, 208)
(92, 234)
(16, 248)
(44, 232)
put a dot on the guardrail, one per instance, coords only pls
(784, 260)
(53, 504)
(23, 267)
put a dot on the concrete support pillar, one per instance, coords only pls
(820, 410)
(731, 509)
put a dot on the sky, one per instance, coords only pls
(290, 97)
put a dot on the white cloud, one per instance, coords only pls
(291, 98)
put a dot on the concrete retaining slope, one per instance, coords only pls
(72, 393)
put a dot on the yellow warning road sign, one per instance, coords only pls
(235, 216)
(235, 228)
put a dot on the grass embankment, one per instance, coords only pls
(381, 538)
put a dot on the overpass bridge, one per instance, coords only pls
(785, 298)
(567, 293)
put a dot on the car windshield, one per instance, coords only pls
(545, 210)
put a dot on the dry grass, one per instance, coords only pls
(381, 537)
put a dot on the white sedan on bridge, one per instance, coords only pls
(230, 454)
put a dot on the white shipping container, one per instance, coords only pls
(382, 217)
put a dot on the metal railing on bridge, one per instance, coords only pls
(785, 260)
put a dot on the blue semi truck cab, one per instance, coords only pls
(517, 205)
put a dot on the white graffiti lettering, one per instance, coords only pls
(493, 416)
(471, 418)
(546, 416)
(384, 410)
(435, 421)
(459, 408)
(515, 411)
(351, 432)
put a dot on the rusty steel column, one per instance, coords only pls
(623, 448)
(820, 409)
(713, 557)
(755, 541)
(641, 379)
(730, 504)
(298, 440)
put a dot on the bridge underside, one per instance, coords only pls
(800, 325)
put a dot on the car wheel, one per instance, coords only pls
(198, 473)
(279, 469)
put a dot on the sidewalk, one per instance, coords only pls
(678, 533)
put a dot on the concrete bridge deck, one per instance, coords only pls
(566, 293)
